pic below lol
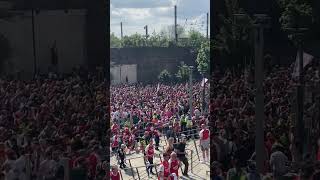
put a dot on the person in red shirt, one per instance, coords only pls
(115, 143)
(204, 142)
(164, 169)
(114, 174)
(174, 165)
(93, 160)
(115, 128)
(149, 156)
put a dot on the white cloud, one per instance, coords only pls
(157, 14)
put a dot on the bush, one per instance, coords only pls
(164, 76)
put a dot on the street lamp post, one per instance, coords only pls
(300, 140)
(261, 22)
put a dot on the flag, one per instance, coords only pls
(204, 80)
(307, 58)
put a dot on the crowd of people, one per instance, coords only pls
(232, 109)
(49, 122)
(143, 114)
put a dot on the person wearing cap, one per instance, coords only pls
(174, 165)
(164, 168)
(180, 149)
(204, 142)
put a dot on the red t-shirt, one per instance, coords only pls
(93, 162)
(150, 152)
(174, 167)
(205, 134)
(114, 176)
(166, 170)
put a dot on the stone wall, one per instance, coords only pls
(152, 60)
(67, 29)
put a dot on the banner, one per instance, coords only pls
(204, 80)
(307, 58)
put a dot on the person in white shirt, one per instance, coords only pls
(205, 142)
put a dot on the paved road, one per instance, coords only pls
(197, 170)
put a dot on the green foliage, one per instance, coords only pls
(135, 40)
(164, 76)
(115, 42)
(183, 72)
(203, 58)
(165, 38)
(194, 40)
(156, 40)
(296, 14)
(233, 39)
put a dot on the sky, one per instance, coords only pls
(157, 14)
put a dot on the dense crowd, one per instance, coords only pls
(142, 115)
(233, 109)
(46, 120)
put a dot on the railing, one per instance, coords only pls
(138, 174)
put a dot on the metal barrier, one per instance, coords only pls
(140, 176)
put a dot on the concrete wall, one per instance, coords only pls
(67, 29)
(152, 60)
(119, 73)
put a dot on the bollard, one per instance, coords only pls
(138, 173)
(65, 163)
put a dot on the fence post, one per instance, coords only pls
(191, 161)
(195, 145)
(131, 169)
(121, 175)
(28, 167)
(65, 163)
(138, 173)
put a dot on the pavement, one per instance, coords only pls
(197, 169)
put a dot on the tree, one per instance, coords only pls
(203, 58)
(115, 42)
(183, 72)
(194, 40)
(169, 32)
(164, 76)
(296, 13)
(156, 40)
(135, 40)
(233, 40)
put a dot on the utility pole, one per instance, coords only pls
(146, 28)
(121, 30)
(262, 20)
(207, 25)
(175, 24)
(34, 44)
